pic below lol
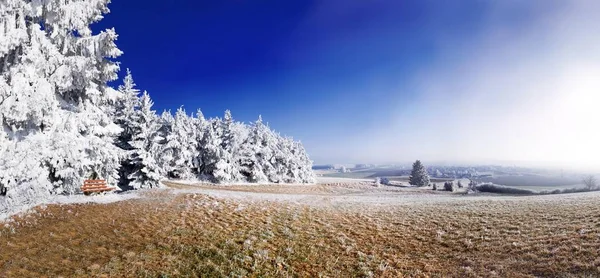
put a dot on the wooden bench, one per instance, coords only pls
(95, 186)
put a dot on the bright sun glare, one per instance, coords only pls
(577, 114)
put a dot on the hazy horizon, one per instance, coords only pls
(524, 93)
(502, 163)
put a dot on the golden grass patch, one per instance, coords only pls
(189, 235)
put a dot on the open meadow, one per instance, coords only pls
(332, 229)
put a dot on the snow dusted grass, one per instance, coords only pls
(103, 198)
(106, 198)
(240, 233)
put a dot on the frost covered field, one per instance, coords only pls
(333, 229)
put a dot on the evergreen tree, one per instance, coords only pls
(126, 110)
(126, 115)
(211, 150)
(251, 159)
(267, 151)
(279, 158)
(180, 145)
(418, 175)
(449, 186)
(225, 169)
(146, 143)
(199, 125)
(302, 166)
(166, 159)
(54, 97)
(287, 162)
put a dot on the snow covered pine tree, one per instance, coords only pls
(225, 169)
(180, 143)
(125, 115)
(419, 176)
(54, 98)
(252, 154)
(145, 142)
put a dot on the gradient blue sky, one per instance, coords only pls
(380, 81)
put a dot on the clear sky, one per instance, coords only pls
(381, 81)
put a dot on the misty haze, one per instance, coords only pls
(299, 138)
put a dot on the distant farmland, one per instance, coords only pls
(531, 181)
(393, 174)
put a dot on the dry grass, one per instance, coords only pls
(190, 235)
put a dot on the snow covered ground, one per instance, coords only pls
(72, 199)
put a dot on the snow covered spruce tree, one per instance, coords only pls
(199, 125)
(289, 161)
(180, 146)
(54, 98)
(126, 115)
(165, 160)
(146, 147)
(300, 170)
(226, 170)
(253, 153)
(209, 151)
(261, 144)
(418, 175)
(126, 110)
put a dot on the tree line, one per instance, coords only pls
(186, 146)
(62, 123)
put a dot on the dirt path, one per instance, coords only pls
(323, 195)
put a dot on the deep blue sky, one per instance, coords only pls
(276, 58)
(320, 71)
